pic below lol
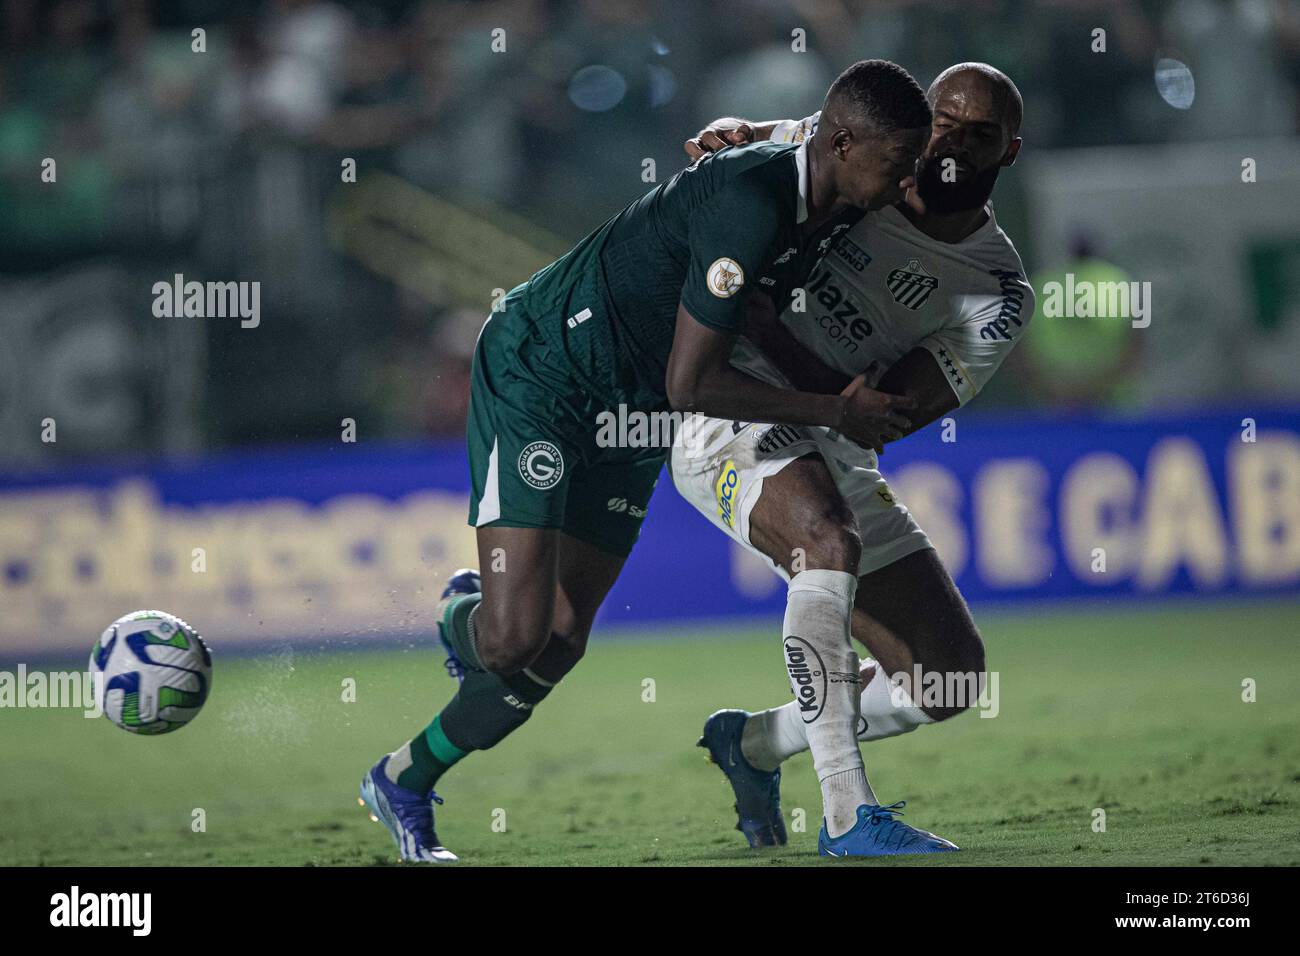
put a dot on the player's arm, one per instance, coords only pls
(918, 376)
(949, 367)
(804, 370)
(731, 236)
(727, 131)
(700, 378)
(732, 131)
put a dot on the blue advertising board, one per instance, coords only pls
(343, 541)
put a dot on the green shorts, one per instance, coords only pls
(533, 456)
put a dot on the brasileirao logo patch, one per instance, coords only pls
(725, 277)
(541, 464)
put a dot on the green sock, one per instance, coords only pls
(485, 710)
(458, 623)
(419, 763)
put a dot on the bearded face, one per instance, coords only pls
(970, 189)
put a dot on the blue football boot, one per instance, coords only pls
(465, 581)
(758, 792)
(878, 833)
(407, 815)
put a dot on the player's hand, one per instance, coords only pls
(872, 418)
(719, 136)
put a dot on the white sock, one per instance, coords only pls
(887, 710)
(851, 786)
(824, 678)
(398, 761)
(773, 736)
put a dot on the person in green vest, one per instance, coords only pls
(1075, 359)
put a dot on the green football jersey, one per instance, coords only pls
(712, 234)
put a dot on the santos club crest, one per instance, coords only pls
(911, 285)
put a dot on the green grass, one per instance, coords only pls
(1139, 713)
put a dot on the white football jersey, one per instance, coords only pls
(888, 288)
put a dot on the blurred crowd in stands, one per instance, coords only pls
(226, 161)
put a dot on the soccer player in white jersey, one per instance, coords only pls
(936, 299)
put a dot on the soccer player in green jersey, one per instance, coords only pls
(638, 319)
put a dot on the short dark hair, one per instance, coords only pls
(880, 96)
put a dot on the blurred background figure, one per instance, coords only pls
(1074, 361)
(459, 117)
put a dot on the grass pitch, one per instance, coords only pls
(1139, 714)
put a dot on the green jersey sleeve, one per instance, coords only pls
(730, 238)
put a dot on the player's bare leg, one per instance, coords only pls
(913, 620)
(584, 574)
(512, 623)
(513, 641)
(525, 630)
(803, 523)
(799, 515)
(541, 589)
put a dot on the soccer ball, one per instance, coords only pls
(152, 672)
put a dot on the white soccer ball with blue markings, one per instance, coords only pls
(152, 672)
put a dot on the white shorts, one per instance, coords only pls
(719, 467)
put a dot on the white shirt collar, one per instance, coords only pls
(979, 235)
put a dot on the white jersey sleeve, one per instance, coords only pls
(983, 331)
(795, 131)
